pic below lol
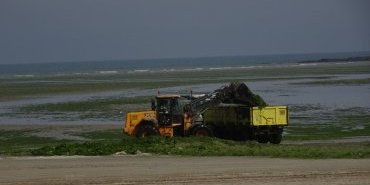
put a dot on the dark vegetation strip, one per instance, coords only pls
(91, 109)
(195, 146)
(86, 105)
(336, 82)
(325, 132)
(14, 91)
(108, 142)
(19, 142)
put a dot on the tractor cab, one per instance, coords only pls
(168, 109)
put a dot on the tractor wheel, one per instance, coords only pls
(263, 138)
(275, 138)
(147, 131)
(202, 131)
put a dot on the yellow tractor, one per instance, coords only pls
(226, 112)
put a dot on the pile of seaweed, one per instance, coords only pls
(240, 93)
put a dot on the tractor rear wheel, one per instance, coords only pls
(276, 138)
(147, 131)
(203, 131)
(263, 138)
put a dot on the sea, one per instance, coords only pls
(169, 64)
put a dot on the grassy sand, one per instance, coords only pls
(108, 142)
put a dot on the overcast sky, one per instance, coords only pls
(80, 30)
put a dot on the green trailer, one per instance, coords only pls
(240, 122)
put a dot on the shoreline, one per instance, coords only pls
(22, 88)
(141, 72)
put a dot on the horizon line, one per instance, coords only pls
(172, 58)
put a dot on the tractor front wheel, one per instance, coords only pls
(147, 131)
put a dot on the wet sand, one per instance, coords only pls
(181, 170)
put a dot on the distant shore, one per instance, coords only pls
(336, 60)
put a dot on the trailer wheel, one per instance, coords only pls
(275, 138)
(147, 131)
(263, 138)
(202, 131)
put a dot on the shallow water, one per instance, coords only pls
(325, 95)
(323, 99)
